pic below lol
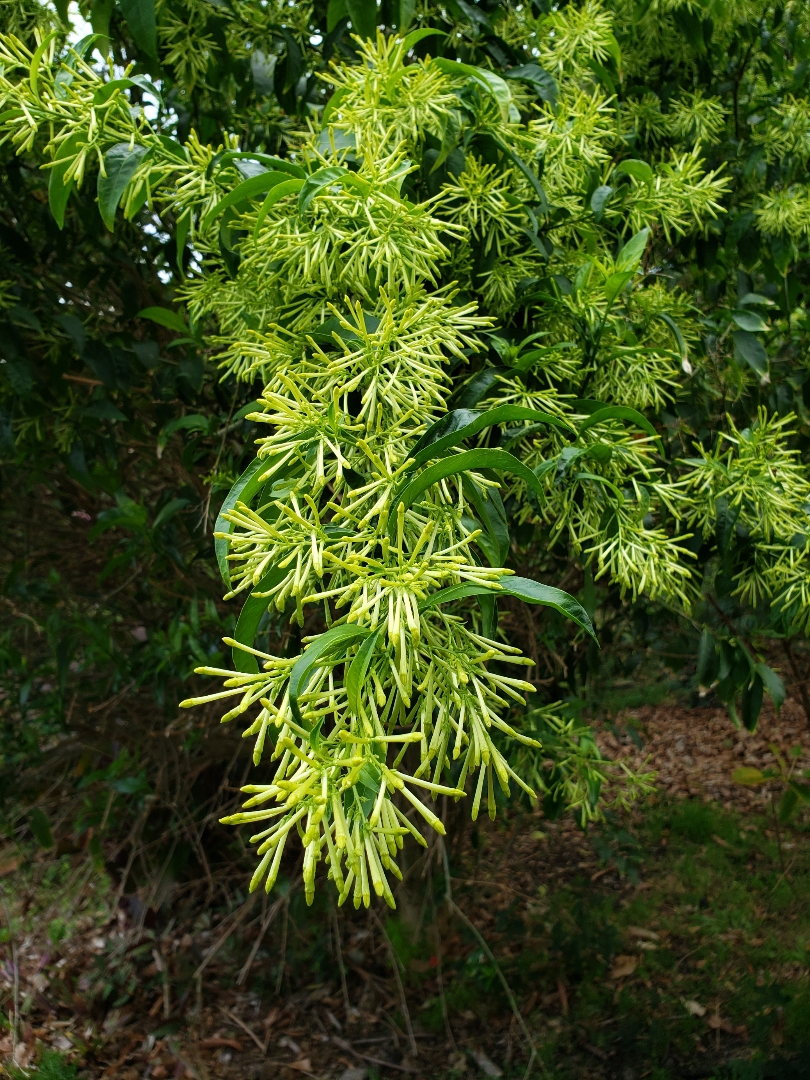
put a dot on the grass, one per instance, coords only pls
(691, 962)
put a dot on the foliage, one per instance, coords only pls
(493, 270)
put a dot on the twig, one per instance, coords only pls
(244, 1027)
(209, 956)
(403, 1000)
(283, 958)
(341, 966)
(344, 1045)
(491, 957)
(16, 1022)
(439, 975)
(274, 910)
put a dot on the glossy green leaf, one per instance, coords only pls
(315, 184)
(248, 189)
(324, 647)
(105, 92)
(599, 200)
(40, 827)
(489, 507)
(751, 704)
(543, 84)
(358, 669)
(630, 255)
(706, 659)
(276, 194)
(140, 17)
(172, 320)
(532, 592)
(460, 424)
(243, 490)
(639, 170)
(405, 13)
(493, 84)
(749, 320)
(461, 463)
(250, 616)
(121, 162)
(621, 412)
(58, 190)
(752, 351)
(773, 684)
(363, 14)
(220, 161)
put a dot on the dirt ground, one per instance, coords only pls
(256, 992)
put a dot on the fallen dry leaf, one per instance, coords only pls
(719, 1023)
(303, 1065)
(216, 1043)
(640, 932)
(623, 966)
(694, 1008)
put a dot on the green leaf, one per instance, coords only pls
(405, 13)
(363, 14)
(191, 422)
(748, 776)
(773, 684)
(276, 194)
(621, 412)
(493, 84)
(140, 17)
(787, 805)
(356, 674)
(532, 592)
(460, 424)
(100, 14)
(616, 282)
(489, 506)
(749, 320)
(58, 190)
(527, 172)
(599, 200)
(543, 84)
(172, 320)
(248, 189)
(249, 618)
(639, 170)
(335, 11)
(219, 161)
(751, 350)
(335, 640)
(181, 236)
(630, 255)
(751, 705)
(459, 463)
(707, 659)
(315, 184)
(120, 164)
(105, 92)
(36, 60)
(243, 490)
(673, 326)
(40, 827)
(167, 512)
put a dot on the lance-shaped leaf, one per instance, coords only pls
(249, 618)
(276, 194)
(622, 412)
(462, 463)
(460, 424)
(120, 164)
(140, 16)
(489, 506)
(248, 189)
(356, 674)
(245, 488)
(333, 641)
(773, 684)
(219, 161)
(58, 190)
(630, 255)
(533, 592)
(752, 350)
